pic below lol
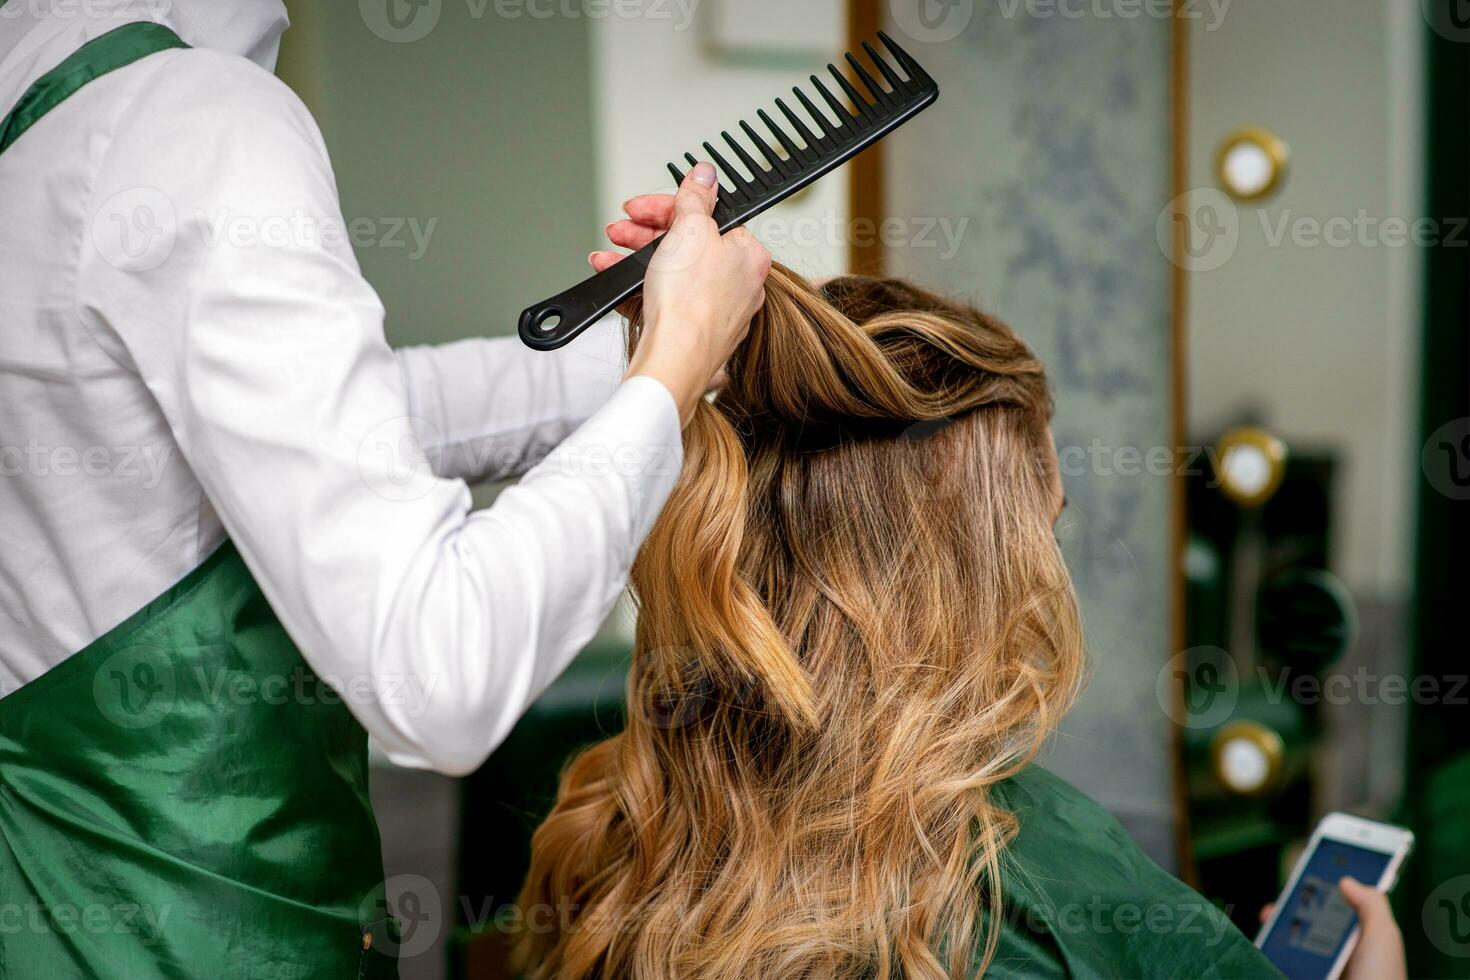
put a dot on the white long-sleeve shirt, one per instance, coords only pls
(188, 352)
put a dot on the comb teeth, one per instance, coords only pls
(826, 141)
(854, 116)
(807, 138)
(793, 153)
(889, 75)
(845, 119)
(778, 166)
(866, 112)
(879, 94)
(917, 75)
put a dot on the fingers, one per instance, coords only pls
(649, 215)
(653, 210)
(1266, 911)
(631, 234)
(745, 238)
(758, 258)
(604, 260)
(1380, 952)
(697, 194)
(1371, 904)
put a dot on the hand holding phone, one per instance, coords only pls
(1379, 954)
(1316, 923)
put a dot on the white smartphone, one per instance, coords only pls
(1312, 931)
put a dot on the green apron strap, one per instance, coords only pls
(109, 52)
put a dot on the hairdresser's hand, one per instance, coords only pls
(700, 292)
(1380, 951)
(648, 216)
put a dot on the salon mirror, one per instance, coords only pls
(1309, 323)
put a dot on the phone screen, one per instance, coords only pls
(1315, 920)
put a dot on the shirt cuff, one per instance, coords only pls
(636, 435)
(593, 365)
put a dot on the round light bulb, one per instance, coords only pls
(1248, 757)
(1251, 465)
(1250, 163)
(1247, 469)
(1248, 170)
(1244, 765)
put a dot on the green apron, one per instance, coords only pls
(184, 797)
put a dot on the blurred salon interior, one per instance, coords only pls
(1234, 231)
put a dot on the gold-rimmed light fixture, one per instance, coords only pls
(1250, 465)
(1251, 163)
(1248, 758)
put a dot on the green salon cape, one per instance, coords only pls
(1081, 900)
(184, 798)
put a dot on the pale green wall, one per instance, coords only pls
(484, 126)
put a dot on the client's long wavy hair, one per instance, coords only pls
(854, 621)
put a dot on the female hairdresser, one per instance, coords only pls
(225, 555)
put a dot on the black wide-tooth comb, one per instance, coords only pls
(553, 322)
